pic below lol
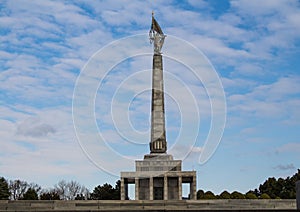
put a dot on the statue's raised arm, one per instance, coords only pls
(156, 36)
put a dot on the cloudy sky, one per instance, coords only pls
(75, 98)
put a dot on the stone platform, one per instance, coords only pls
(158, 177)
(148, 205)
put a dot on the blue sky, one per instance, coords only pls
(253, 46)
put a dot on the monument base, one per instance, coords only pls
(158, 156)
(158, 177)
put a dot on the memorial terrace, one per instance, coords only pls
(148, 205)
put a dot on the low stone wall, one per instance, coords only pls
(140, 205)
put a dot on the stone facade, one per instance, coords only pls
(158, 178)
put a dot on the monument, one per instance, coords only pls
(158, 176)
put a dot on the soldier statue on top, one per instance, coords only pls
(156, 35)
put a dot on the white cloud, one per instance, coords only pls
(46, 43)
(42, 144)
(34, 127)
(285, 167)
(289, 148)
(272, 100)
(267, 7)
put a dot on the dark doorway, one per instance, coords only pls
(158, 188)
(158, 193)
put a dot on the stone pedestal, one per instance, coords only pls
(158, 178)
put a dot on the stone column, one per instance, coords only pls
(122, 189)
(137, 189)
(158, 142)
(151, 188)
(165, 187)
(180, 187)
(298, 194)
(193, 188)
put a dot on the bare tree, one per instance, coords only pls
(86, 193)
(70, 190)
(74, 189)
(61, 189)
(17, 189)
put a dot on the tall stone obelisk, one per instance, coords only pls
(158, 143)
